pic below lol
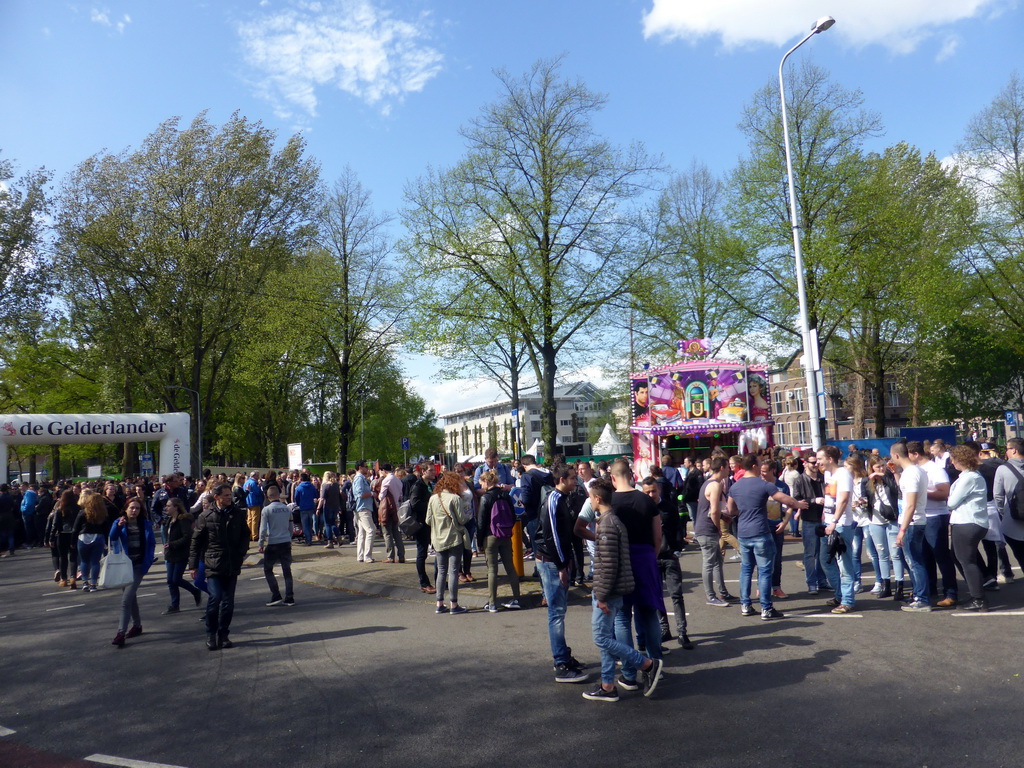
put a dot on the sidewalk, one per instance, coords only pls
(337, 569)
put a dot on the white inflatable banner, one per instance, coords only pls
(171, 430)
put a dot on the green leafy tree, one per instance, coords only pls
(908, 220)
(696, 289)
(540, 193)
(23, 207)
(162, 252)
(828, 127)
(991, 156)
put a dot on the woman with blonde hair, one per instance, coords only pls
(446, 516)
(90, 530)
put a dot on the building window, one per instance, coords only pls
(798, 402)
(801, 432)
(564, 423)
(892, 432)
(780, 433)
(872, 397)
(780, 402)
(893, 395)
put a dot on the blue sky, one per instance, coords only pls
(384, 86)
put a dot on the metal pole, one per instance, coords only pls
(362, 428)
(810, 374)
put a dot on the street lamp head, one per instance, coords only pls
(822, 24)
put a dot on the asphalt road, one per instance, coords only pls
(343, 679)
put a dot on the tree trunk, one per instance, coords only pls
(548, 409)
(54, 463)
(880, 393)
(129, 451)
(32, 464)
(858, 406)
(517, 436)
(914, 420)
(345, 417)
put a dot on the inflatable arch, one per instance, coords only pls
(171, 430)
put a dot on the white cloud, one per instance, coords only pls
(899, 26)
(458, 395)
(356, 46)
(102, 17)
(949, 46)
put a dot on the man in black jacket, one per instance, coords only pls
(809, 487)
(418, 498)
(221, 540)
(552, 549)
(668, 563)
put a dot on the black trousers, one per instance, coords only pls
(672, 579)
(966, 538)
(272, 555)
(996, 560)
(422, 547)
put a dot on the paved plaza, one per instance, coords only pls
(345, 678)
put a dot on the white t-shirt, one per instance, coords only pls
(859, 503)
(936, 476)
(840, 480)
(914, 480)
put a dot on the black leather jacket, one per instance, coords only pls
(221, 539)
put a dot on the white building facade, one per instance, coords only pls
(468, 433)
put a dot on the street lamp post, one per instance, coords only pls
(811, 364)
(199, 423)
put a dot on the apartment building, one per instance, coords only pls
(578, 408)
(790, 408)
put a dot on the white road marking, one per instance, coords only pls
(127, 762)
(831, 616)
(667, 613)
(5, 731)
(62, 592)
(65, 607)
(146, 594)
(258, 578)
(990, 613)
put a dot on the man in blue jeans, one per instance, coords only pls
(28, 513)
(911, 538)
(936, 525)
(748, 502)
(809, 487)
(305, 495)
(552, 549)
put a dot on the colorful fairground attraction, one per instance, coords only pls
(689, 407)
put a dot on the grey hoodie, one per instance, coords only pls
(1002, 491)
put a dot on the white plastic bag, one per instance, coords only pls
(116, 569)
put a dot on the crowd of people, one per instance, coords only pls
(922, 514)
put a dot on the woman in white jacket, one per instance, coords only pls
(968, 520)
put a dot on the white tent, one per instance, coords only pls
(537, 449)
(609, 443)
